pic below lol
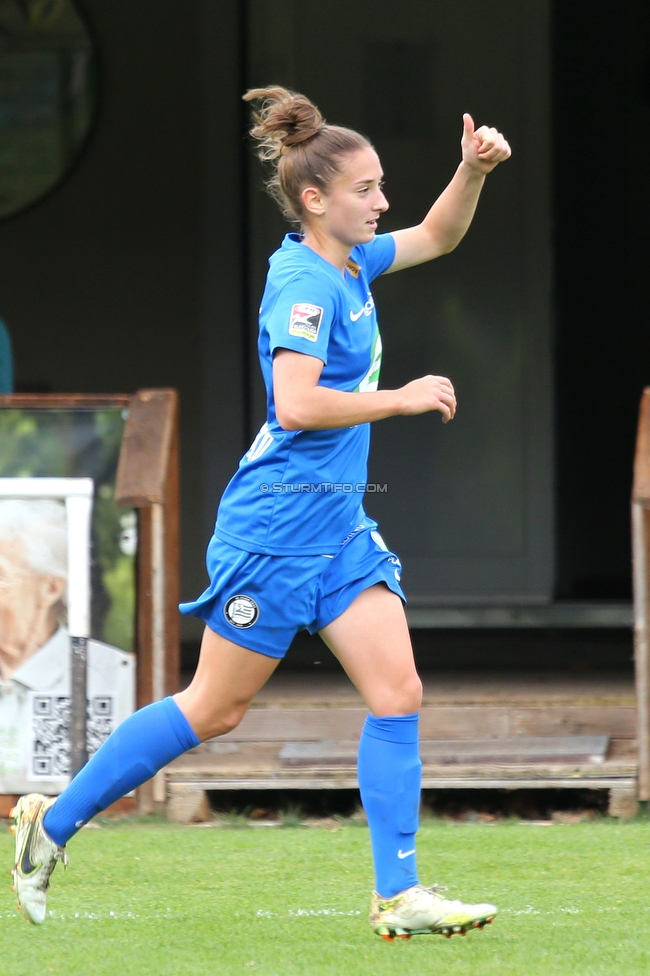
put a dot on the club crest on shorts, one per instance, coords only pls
(241, 611)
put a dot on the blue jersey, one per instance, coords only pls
(301, 491)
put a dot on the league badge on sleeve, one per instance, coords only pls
(305, 321)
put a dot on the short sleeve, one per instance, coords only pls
(378, 255)
(302, 315)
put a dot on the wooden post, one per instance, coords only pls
(641, 577)
(148, 479)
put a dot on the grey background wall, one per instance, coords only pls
(468, 506)
(144, 267)
(101, 282)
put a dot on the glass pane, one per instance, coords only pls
(83, 443)
(47, 96)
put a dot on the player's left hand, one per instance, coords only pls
(483, 148)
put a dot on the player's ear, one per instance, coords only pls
(312, 200)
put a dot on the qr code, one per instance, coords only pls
(50, 757)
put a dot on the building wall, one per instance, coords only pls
(100, 283)
(468, 506)
(144, 268)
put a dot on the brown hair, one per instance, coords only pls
(305, 150)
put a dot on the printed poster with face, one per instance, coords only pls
(35, 651)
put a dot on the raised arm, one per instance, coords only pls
(446, 223)
(301, 404)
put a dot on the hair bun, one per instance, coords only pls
(284, 119)
(286, 125)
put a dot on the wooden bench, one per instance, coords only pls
(496, 732)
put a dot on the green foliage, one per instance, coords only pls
(291, 816)
(233, 820)
(185, 900)
(119, 581)
(28, 448)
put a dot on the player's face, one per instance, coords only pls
(355, 200)
(27, 600)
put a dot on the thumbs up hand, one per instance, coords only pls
(483, 148)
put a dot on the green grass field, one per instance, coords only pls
(164, 899)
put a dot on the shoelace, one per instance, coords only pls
(61, 855)
(435, 889)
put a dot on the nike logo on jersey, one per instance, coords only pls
(365, 310)
(402, 854)
(26, 865)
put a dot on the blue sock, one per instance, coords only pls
(389, 773)
(144, 743)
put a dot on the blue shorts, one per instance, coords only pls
(261, 602)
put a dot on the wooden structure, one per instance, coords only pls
(498, 731)
(641, 565)
(148, 480)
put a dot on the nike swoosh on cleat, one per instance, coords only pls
(354, 316)
(26, 865)
(402, 854)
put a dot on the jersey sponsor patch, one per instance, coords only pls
(305, 321)
(241, 611)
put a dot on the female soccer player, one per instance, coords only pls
(292, 546)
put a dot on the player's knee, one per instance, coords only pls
(225, 721)
(412, 695)
(407, 696)
(231, 719)
(399, 698)
(209, 719)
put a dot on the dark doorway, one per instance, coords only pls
(601, 109)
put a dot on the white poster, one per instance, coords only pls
(35, 656)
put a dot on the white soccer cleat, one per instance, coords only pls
(36, 855)
(421, 911)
